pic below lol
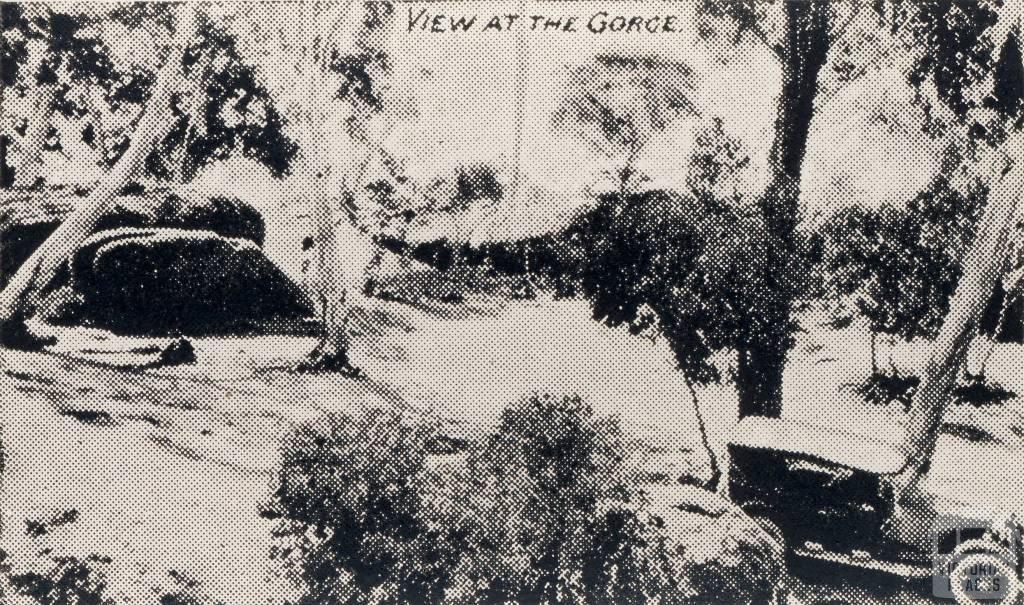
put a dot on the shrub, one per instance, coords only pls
(350, 499)
(63, 580)
(551, 513)
(979, 392)
(543, 510)
(883, 388)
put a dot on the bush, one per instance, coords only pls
(59, 580)
(551, 513)
(350, 497)
(883, 388)
(979, 392)
(546, 509)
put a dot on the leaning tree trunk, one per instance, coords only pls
(981, 268)
(763, 358)
(41, 267)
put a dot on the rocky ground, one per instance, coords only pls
(160, 472)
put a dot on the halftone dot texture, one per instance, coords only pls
(459, 301)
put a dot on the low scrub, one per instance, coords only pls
(977, 391)
(883, 388)
(58, 580)
(546, 509)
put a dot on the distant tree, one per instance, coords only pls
(716, 167)
(618, 104)
(900, 266)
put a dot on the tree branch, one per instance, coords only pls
(758, 31)
(841, 30)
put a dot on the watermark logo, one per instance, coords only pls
(975, 563)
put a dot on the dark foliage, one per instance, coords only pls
(476, 182)
(978, 392)
(15, 31)
(691, 270)
(85, 58)
(237, 116)
(959, 53)
(543, 511)
(351, 492)
(358, 83)
(954, 32)
(13, 49)
(67, 581)
(883, 388)
(558, 476)
(901, 265)
(1008, 91)
(255, 127)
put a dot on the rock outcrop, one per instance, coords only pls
(175, 281)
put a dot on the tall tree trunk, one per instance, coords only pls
(714, 482)
(982, 267)
(7, 172)
(763, 359)
(154, 124)
(332, 350)
(32, 164)
(874, 352)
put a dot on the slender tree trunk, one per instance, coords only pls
(763, 359)
(715, 480)
(7, 172)
(41, 267)
(31, 168)
(982, 265)
(332, 350)
(874, 352)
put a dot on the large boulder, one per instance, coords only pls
(172, 281)
(225, 216)
(724, 554)
(36, 215)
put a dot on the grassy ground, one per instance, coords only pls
(165, 469)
